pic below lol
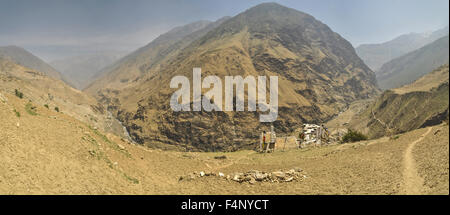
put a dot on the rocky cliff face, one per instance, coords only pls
(318, 72)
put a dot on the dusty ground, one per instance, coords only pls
(51, 153)
(431, 156)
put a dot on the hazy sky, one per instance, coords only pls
(53, 29)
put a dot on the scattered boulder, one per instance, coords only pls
(278, 174)
(254, 176)
(252, 180)
(238, 177)
(261, 176)
(289, 179)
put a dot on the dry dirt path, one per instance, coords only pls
(412, 182)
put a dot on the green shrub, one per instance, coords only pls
(46, 105)
(57, 109)
(394, 137)
(18, 93)
(30, 109)
(17, 113)
(353, 136)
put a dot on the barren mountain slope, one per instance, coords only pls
(419, 104)
(25, 58)
(319, 74)
(375, 55)
(42, 90)
(52, 153)
(409, 67)
(128, 70)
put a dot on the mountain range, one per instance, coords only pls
(411, 66)
(319, 75)
(375, 55)
(119, 134)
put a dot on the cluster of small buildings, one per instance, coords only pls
(309, 134)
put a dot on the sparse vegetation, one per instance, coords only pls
(57, 109)
(46, 105)
(111, 143)
(133, 180)
(30, 109)
(17, 113)
(394, 137)
(18, 93)
(353, 136)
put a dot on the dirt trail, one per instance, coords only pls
(381, 122)
(412, 182)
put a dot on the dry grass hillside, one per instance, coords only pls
(419, 104)
(426, 83)
(52, 153)
(23, 57)
(41, 90)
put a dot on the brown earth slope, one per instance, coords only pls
(419, 104)
(319, 75)
(53, 153)
(23, 57)
(42, 90)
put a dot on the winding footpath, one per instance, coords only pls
(412, 182)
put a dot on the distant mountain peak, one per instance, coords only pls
(267, 6)
(375, 55)
(319, 75)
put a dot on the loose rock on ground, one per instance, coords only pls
(253, 176)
